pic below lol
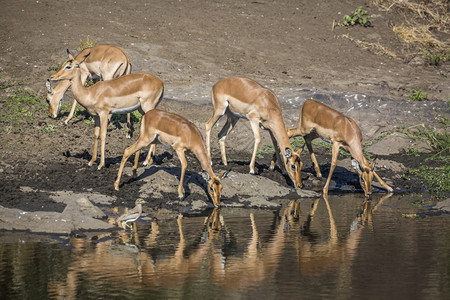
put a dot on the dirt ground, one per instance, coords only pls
(288, 46)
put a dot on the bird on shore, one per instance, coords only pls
(132, 215)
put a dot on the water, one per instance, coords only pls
(339, 248)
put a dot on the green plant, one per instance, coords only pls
(358, 16)
(50, 129)
(413, 151)
(418, 95)
(436, 178)
(86, 44)
(89, 120)
(21, 105)
(266, 149)
(436, 58)
(4, 84)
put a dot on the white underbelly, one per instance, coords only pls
(126, 110)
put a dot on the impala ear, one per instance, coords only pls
(49, 87)
(224, 174)
(69, 55)
(372, 165)
(288, 153)
(85, 57)
(356, 165)
(206, 176)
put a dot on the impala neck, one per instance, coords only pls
(204, 161)
(356, 152)
(279, 132)
(79, 91)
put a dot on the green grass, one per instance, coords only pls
(417, 95)
(20, 108)
(21, 105)
(436, 178)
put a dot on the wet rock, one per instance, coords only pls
(51, 222)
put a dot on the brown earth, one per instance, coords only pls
(288, 46)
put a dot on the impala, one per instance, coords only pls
(240, 97)
(318, 120)
(116, 96)
(104, 61)
(171, 129)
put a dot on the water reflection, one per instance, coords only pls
(330, 246)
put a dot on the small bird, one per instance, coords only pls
(132, 215)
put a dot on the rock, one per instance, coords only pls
(397, 143)
(84, 207)
(443, 205)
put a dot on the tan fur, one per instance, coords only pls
(318, 120)
(134, 91)
(182, 135)
(240, 97)
(105, 60)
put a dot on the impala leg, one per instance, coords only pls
(218, 112)
(256, 133)
(128, 126)
(308, 142)
(103, 129)
(126, 154)
(383, 184)
(231, 121)
(334, 157)
(72, 111)
(276, 155)
(96, 134)
(151, 153)
(183, 161)
(136, 162)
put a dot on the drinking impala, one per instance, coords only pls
(318, 120)
(158, 126)
(240, 97)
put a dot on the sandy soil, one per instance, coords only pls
(288, 46)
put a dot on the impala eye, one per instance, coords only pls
(68, 67)
(293, 167)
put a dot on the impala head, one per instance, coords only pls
(70, 69)
(66, 72)
(215, 186)
(293, 166)
(365, 176)
(54, 97)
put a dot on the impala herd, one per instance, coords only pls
(122, 92)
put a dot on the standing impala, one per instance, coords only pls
(318, 120)
(116, 96)
(158, 126)
(240, 97)
(104, 61)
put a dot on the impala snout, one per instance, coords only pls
(53, 98)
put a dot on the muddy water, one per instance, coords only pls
(340, 248)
